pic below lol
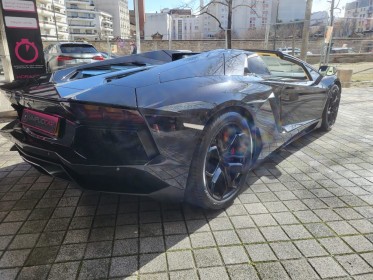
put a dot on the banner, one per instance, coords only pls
(23, 36)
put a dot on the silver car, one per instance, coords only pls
(64, 55)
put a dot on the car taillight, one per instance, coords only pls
(64, 58)
(98, 57)
(99, 113)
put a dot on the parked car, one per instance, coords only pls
(63, 55)
(341, 50)
(109, 55)
(169, 127)
(297, 51)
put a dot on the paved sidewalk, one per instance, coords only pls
(307, 215)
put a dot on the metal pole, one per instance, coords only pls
(54, 18)
(170, 33)
(306, 30)
(268, 27)
(274, 41)
(137, 16)
(226, 38)
(331, 36)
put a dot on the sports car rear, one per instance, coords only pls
(99, 146)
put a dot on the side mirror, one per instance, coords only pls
(326, 70)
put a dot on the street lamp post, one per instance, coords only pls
(55, 22)
(137, 17)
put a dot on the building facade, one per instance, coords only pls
(52, 20)
(359, 16)
(119, 10)
(86, 22)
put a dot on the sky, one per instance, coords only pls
(157, 5)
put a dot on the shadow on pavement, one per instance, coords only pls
(106, 235)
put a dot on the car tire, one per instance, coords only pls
(221, 162)
(330, 112)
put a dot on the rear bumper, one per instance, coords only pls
(160, 178)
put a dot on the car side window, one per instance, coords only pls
(256, 65)
(284, 68)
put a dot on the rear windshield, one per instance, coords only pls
(78, 48)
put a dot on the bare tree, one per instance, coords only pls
(231, 6)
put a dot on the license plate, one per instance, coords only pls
(46, 124)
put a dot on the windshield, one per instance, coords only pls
(78, 48)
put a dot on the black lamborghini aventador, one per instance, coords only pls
(167, 124)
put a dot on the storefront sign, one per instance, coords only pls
(23, 37)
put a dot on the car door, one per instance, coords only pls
(301, 99)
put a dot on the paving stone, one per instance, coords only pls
(310, 248)
(319, 230)
(234, 255)
(307, 217)
(202, 239)
(264, 220)
(122, 232)
(175, 228)
(123, 266)
(69, 270)
(220, 224)
(274, 233)
(98, 250)
(9, 228)
(184, 275)
(300, 269)
(242, 222)
(271, 271)
(260, 252)
(368, 257)
(180, 260)
(228, 237)
(152, 244)
(23, 241)
(14, 258)
(9, 273)
(327, 267)
(213, 273)
(153, 229)
(71, 252)
(4, 241)
(34, 272)
(101, 234)
(275, 207)
(94, 269)
(150, 263)
(42, 255)
(250, 235)
(50, 238)
(180, 242)
(296, 232)
(242, 272)
(33, 226)
(327, 215)
(342, 228)
(362, 226)
(285, 250)
(256, 208)
(359, 243)
(207, 257)
(335, 245)
(285, 218)
(126, 247)
(354, 264)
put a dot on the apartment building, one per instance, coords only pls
(86, 22)
(52, 20)
(359, 16)
(119, 10)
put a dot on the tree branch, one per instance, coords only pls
(211, 15)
